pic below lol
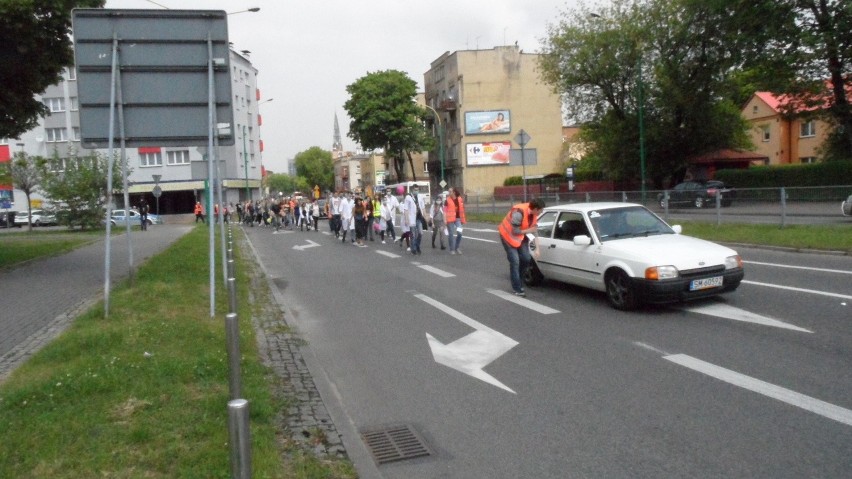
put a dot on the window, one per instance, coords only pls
(75, 105)
(180, 157)
(72, 74)
(808, 160)
(56, 134)
(807, 129)
(76, 132)
(766, 135)
(55, 104)
(150, 159)
(754, 110)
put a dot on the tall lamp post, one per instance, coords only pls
(443, 183)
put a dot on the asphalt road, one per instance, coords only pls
(756, 383)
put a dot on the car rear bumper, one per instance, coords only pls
(676, 290)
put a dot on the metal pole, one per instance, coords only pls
(524, 170)
(642, 128)
(124, 178)
(245, 163)
(110, 154)
(240, 438)
(210, 132)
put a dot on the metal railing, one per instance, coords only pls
(767, 205)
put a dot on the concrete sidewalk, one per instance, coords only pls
(39, 299)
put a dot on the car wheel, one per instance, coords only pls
(699, 202)
(620, 292)
(532, 275)
(663, 203)
(149, 222)
(37, 223)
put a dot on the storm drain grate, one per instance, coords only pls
(395, 443)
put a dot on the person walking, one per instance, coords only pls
(335, 214)
(521, 220)
(374, 214)
(346, 217)
(315, 213)
(455, 219)
(387, 212)
(359, 213)
(414, 211)
(143, 215)
(276, 216)
(436, 211)
(199, 212)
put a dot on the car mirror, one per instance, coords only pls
(582, 240)
(678, 229)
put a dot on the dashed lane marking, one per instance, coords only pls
(539, 308)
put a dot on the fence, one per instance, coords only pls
(767, 205)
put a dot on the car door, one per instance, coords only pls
(576, 263)
(545, 241)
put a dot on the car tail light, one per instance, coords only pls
(712, 191)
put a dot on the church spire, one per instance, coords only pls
(338, 144)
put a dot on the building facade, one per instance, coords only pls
(483, 99)
(180, 172)
(783, 138)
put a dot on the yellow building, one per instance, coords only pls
(781, 137)
(483, 99)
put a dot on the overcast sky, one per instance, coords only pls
(308, 51)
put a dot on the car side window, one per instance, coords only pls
(569, 226)
(545, 224)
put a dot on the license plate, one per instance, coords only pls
(705, 283)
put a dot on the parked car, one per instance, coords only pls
(632, 255)
(120, 217)
(846, 206)
(39, 218)
(698, 193)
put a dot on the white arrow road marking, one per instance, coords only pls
(539, 308)
(434, 270)
(729, 312)
(471, 353)
(385, 253)
(788, 396)
(306, 246)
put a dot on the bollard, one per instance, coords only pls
(240, 438)
(232, 295)
(232, 338)
(231, 269)
(783, 207)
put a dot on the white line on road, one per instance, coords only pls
(729, 312)
(434, 270)
(385, 253)
(479, 239)
(801, 290)
(822, 270)
(539, 308)
(788, 396)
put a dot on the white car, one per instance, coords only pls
(39, 218)
(631, 254)
(120, 218)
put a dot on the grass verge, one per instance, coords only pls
(144, 393)
(20, 247)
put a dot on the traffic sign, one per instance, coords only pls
(157, 191)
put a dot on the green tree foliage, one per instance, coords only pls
(316, 166)
(281, 184)
(385, 115)
(35, 45)
(79, 186)
(25, 173)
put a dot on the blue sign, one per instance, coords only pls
(5, 204)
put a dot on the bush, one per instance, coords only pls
(819, 174)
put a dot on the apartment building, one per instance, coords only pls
(483, 99)
(179, 172)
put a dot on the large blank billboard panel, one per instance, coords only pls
(163, 59)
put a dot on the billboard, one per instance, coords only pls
(163, 57)
(488, 154)
(487, 122)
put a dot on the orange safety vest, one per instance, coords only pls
(452, 213)
(506, 226)
(198, 209)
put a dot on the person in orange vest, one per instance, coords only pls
(455, 219)
(521, 220)
(199, 212)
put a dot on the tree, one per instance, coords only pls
(316, 166)
(385, 115)
(25, 172)
(79, 185)
(281, 184)
(667, 58)
(35, 46)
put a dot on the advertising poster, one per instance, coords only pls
(487, 122)
(488, 154)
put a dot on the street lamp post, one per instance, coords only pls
(641, 126)
(441, 146)
(245, 164)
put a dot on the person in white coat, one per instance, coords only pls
(346, 217)
(413, 207)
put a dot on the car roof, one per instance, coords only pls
(586, 207)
